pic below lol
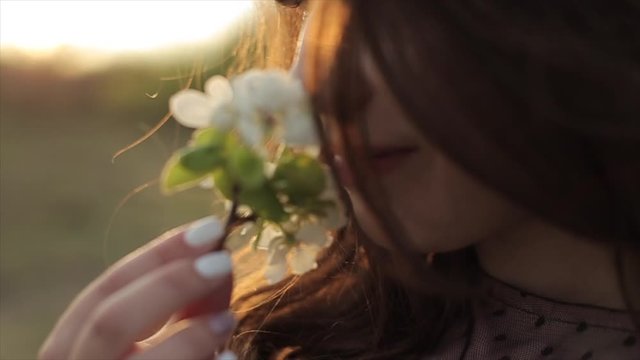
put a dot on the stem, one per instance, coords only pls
(233, 220)
(233, 217)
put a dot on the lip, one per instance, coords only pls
(387, 159)
(383, 159)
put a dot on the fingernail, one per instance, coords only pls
(227, 355)
(222, 323)
(213, 265)
(205, 231)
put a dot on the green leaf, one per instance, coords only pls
(247, 168)
(202, 159)
(176, 177)
(264, 202)
(300, 177)
(223, 182)
(209, 136)
(232, 143)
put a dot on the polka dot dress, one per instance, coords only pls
(515, 325)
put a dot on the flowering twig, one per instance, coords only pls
(256, 143)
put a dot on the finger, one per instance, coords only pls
(198, 238)
(211, 303)
(119, 320)
(208, 304)
(227, 355)
(192, 339)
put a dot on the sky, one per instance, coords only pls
(113, 26)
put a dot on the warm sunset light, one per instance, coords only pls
(114, 26)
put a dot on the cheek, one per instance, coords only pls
(367, 220)
(444, 209)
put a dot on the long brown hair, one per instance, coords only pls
(538, 100)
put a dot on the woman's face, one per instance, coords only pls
(440, 206)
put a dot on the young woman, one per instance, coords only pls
(491, 154)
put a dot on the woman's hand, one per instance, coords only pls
(167, 300)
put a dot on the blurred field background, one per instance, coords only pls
(60, 125)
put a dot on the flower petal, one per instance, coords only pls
(219, 88)
(297, 92)
(242, 101)
(312, 234)
(275, 272)
(278, 250)
(303, 259)
(335, 218)
(245, 88)
(250, 129)
(191, 108)
(223, 116)
(276, 268)
(268, 91)
(269, 234)
(299, 128)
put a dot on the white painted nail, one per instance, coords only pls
(227, 355)
(222, 323)
(213, 264)
(206, 231)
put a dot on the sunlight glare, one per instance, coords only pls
(114, 26)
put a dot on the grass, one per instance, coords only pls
(59, 190)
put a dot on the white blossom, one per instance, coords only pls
(302, 258)
(223, 116)
(192, 108)
(299, 126)
(251, 129)
(299, 257)
(246, 103)
(276, 268)
(335, 216)
(269, 233)
(198, 110)
(219, 88)
(267, 91)
(312, 234)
